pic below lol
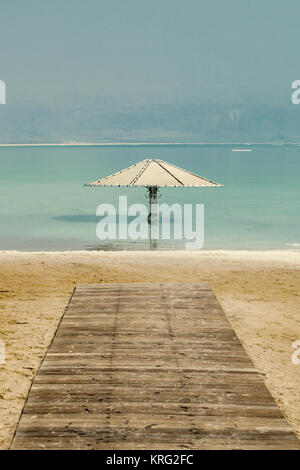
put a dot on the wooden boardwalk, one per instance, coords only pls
(149, 366)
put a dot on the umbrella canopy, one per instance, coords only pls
(154, 173)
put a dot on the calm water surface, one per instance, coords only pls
(44, 205)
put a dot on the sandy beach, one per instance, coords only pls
(259, 292)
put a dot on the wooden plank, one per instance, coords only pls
(149, 366)
(110, 442)
(127, 408)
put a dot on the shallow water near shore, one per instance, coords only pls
(44, 205)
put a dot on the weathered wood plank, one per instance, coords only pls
(157, 366)
(123, 443)
(127, 408)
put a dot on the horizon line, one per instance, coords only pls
(132, 144)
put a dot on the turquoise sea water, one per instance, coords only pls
(44, 205)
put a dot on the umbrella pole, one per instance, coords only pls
(153, 216)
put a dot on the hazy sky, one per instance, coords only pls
(228, 51)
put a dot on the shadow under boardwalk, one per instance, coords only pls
(149, 366)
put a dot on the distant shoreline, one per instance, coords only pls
(145, 144)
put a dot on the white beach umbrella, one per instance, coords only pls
(152, 174)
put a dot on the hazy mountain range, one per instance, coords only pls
(103, 120)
